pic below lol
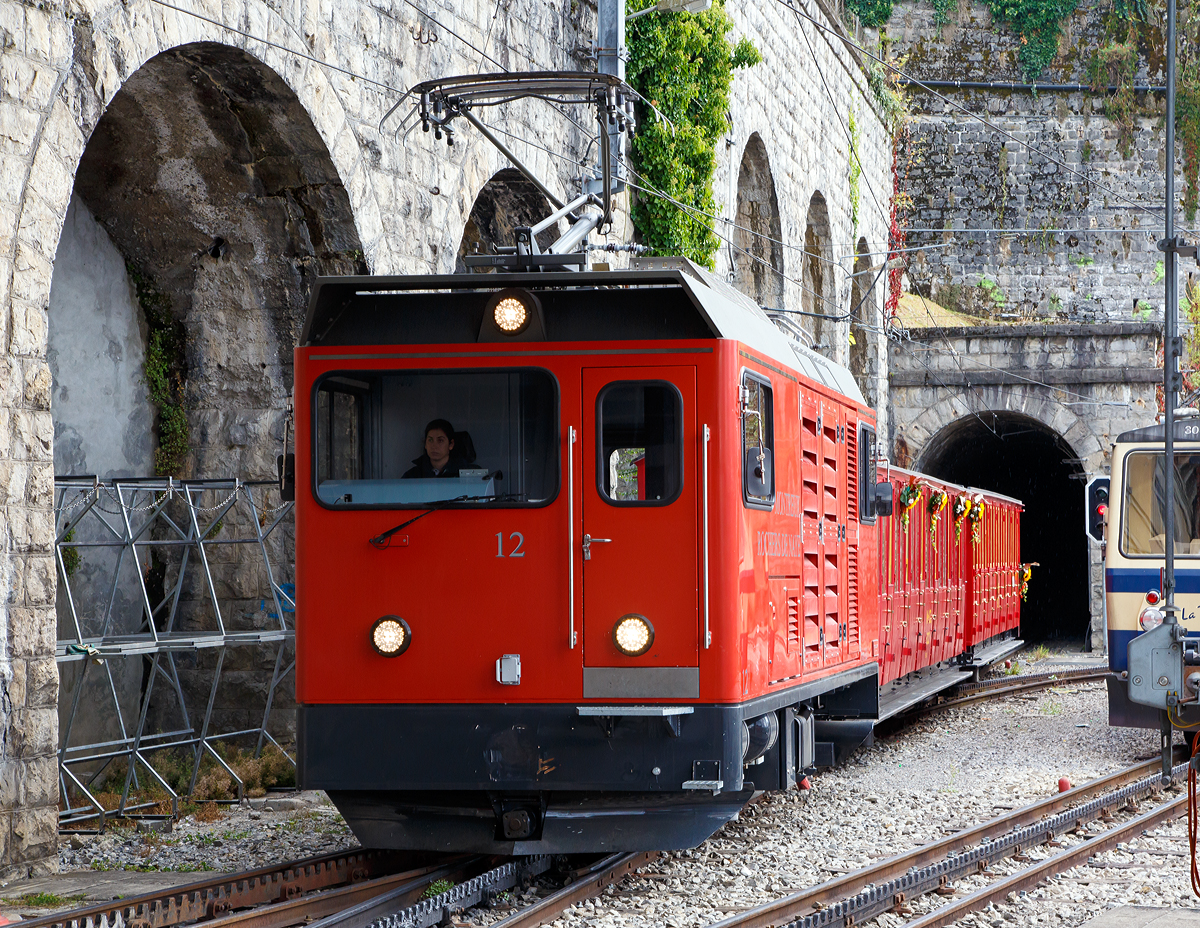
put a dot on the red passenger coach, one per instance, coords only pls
(583, 559)
(950, 573)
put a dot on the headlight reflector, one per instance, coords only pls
(511, 315)
(390, 636)
(1150, 618)
(633, 634)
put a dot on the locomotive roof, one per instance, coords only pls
(579, 306)
(1185, 430)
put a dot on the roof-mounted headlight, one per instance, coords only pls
(390, 636)
(512, 313)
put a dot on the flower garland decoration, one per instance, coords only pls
(962, 507)
(1024, 573)
(978, 507)
(909, 497)
(937, 502)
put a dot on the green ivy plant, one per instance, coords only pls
(871, 13)
(165, 374)
(855, 172)
(1039, 24)
(941, 11)
(683, 64)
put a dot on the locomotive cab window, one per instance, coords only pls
(1143, 529)
(462, 438)
(640, 443)
(758, 442)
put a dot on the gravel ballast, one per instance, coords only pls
(948, 772)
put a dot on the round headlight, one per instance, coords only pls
(633, 635)
(390, 636)
(511, 315)
(1150, 618)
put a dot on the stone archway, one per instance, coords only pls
(817, 296)
(1019, 456)
(864, 321)
(758, 236)
(508, 201)
(204, 204)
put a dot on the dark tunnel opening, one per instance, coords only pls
(1019, 457)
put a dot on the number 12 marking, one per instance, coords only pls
(516, 552)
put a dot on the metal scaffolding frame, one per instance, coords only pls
(133, 518)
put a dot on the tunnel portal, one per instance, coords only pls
(1020, 457)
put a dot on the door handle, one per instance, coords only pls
(588, 541)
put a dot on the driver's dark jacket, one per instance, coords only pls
(423, 468)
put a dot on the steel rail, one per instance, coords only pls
(983, 691)
(399, 889)
(1049, 677)
(440, 908)
(843, 901)
(207, 898)
(1032, 876)
(594, 880)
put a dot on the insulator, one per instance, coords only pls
(450, 137)
(437, 133)
(437, 106)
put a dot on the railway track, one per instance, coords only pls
(847, 900)
(381, 889)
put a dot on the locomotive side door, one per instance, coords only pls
(638, 530)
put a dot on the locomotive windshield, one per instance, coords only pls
(370, 430)
(1143, 532)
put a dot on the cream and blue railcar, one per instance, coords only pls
(1136, 550)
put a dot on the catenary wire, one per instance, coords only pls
(836, 316)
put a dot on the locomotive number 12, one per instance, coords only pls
(515, 552)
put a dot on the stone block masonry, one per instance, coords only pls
(1049, 210)
(226, 167)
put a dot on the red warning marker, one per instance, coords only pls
(1063, 784)
(804, 783)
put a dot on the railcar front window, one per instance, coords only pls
(641, 443)
(370, 430)
(1143, 530)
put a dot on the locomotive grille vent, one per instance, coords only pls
(852, 472)
(793, 619)
(852, 598)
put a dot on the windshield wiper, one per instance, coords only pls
(382, 540)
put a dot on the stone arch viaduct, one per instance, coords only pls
(174, 176)
(170, 183)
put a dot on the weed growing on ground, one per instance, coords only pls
(44, 900)
(437, 887)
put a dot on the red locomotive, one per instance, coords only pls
(585, 558)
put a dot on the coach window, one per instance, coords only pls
(867, 474)
(640, 443)
(369, 432)
(758, 442)
(1143, 529)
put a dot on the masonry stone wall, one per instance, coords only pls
(797, 103)
(1066, 232)
(288, 173)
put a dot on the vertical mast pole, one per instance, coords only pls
(1170, 332)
